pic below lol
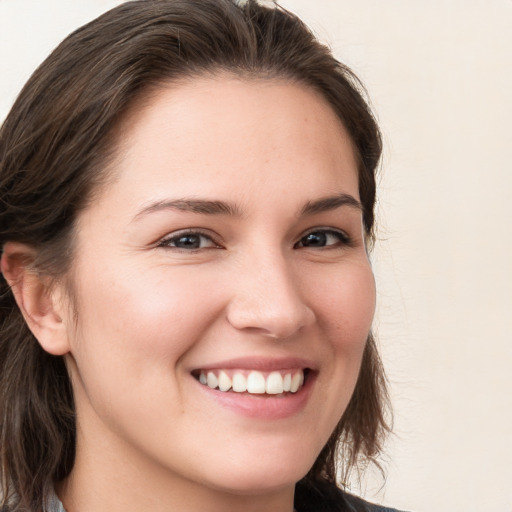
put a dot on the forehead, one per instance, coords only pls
(230, 131)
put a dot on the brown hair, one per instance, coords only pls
(54, 145)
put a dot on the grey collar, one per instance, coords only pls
(53, 504)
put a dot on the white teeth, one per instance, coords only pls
(211, 380)
(287, 382)
(256, 383)
(274, 384)
(239, 383)
(296, 382)
(224, 382)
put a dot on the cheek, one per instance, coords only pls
(145, 312)
(135, 328)
(357, 303)
(345, 306)
(133, 332)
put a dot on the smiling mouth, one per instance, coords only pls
(254, 382)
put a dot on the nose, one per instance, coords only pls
(268, 300)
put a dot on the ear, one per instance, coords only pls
(42, 305)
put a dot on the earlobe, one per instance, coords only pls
(40, 303)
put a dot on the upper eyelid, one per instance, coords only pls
(326, 229)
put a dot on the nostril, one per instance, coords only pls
(273, 320)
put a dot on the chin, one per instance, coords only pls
(265, 474)
(258, 484)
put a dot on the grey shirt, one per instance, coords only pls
(55, 505)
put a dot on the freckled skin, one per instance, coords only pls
(149, 313)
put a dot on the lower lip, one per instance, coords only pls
(263, 406)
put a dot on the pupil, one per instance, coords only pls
(315, 239)
(188, 241)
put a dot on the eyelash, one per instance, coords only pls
(167, 242)
(342, 240)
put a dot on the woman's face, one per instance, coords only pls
(227, 251)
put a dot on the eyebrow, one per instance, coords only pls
(209, 207)
(326, 204)
(201, 206)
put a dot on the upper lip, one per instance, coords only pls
(263, 364)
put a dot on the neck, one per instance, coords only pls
(78, 495)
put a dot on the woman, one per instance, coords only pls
(187, 205)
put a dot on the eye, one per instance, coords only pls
(189, 240)
(323, 238)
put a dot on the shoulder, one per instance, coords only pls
(362, 505)
(326, 497)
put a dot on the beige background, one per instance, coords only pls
(439, 74)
